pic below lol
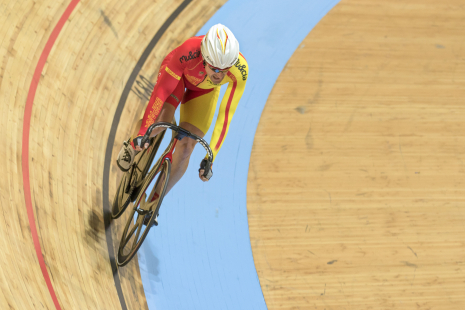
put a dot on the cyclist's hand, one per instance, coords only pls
(137, 141)
(205, 171)
(138, 148)
(201, 172)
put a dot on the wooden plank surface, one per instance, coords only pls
(356, 194)
(73, 110)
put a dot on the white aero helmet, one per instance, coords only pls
(219, 47)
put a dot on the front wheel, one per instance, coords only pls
(135, 231)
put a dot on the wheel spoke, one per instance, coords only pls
(132, 231)
(139, 223)
(125, 241)
(129, 236)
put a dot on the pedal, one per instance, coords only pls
(142, 212)
(147, 219)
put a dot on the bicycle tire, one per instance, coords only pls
(137, 226)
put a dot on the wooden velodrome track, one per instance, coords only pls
(356, 201)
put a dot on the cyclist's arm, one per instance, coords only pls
(227, 108)
(166, 83)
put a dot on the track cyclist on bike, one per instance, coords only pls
(191, 75)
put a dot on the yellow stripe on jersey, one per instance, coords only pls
(177, 77)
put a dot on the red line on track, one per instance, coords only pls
(25, 154)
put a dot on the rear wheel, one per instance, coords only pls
(135, 231)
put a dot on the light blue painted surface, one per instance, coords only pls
(200, 256)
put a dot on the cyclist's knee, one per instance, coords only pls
(166, 113)
(185, 147)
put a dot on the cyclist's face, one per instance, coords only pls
(216, 77)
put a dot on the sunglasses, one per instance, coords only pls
(217, 70)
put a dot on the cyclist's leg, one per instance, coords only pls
(166, 115)
(197, 112)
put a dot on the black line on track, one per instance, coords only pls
(111, 141)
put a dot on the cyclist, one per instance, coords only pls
(191, 75)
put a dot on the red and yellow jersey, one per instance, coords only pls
(186, 62)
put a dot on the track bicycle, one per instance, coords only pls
(148, 206)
